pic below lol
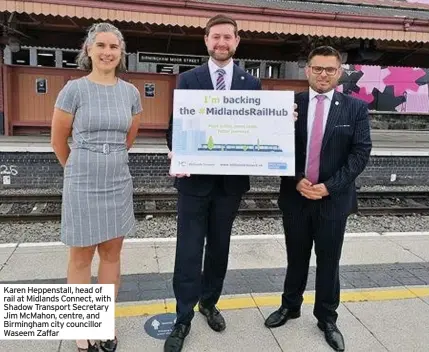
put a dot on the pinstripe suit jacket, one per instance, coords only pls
(346, 148)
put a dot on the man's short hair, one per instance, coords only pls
(324, 51)
(221, 19)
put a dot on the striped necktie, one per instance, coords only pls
(220, 82)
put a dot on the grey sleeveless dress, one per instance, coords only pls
(97, 200)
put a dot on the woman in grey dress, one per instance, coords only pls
(103, 114)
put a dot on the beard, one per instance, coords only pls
(222, 56)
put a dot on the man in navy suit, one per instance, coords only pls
(332, 147)
(207, 204)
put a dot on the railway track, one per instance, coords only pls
(43, 207)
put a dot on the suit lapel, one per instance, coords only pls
(238, 78)
(333, 116)
(302, 103)
(203, 77)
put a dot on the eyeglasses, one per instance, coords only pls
(330, 71)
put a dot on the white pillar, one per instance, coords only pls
(33, 57)
(58, 58)
(7, 55)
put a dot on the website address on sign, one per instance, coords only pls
(241, 165)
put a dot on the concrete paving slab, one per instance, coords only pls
(7, 250)
(421, 291)
(136, 243)
(303, 334)
(282, 243)
(243, 323)
(405, 234)
(418, 245)
(166, 254)
(249, 240)
(426, 299)
(299, 334)
(373, 250)
(398, 325)
(27, 248)
(252, 255)
(238, 258)
(139, 260)
(136, 258)
(3, 258)
(244, 333)
(133, 337)
(32, 265)
(29, 346)
(357, 337)
(356, 250)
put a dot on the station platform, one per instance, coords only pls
(384, 300)
(385, 143)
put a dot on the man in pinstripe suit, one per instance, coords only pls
(333, 146)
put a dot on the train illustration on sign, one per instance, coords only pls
(240, 148)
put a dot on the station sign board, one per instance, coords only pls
(171, 59)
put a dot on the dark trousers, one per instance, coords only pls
(209, 217)
(328, 236)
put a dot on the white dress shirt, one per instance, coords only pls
(228, 73)
(312, 101)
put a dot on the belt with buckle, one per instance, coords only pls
(105, 148)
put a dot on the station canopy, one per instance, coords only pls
(389, 20)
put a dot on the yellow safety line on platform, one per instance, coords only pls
(260, 300)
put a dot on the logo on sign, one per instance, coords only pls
(277, 166)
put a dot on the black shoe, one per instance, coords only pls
(109, 345)
(281, 316)
(214, 318)
(333, 336)
(174, 342)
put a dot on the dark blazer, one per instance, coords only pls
(346, 149)
(201, 185)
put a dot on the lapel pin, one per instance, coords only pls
(337, 103)
(242, 78)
